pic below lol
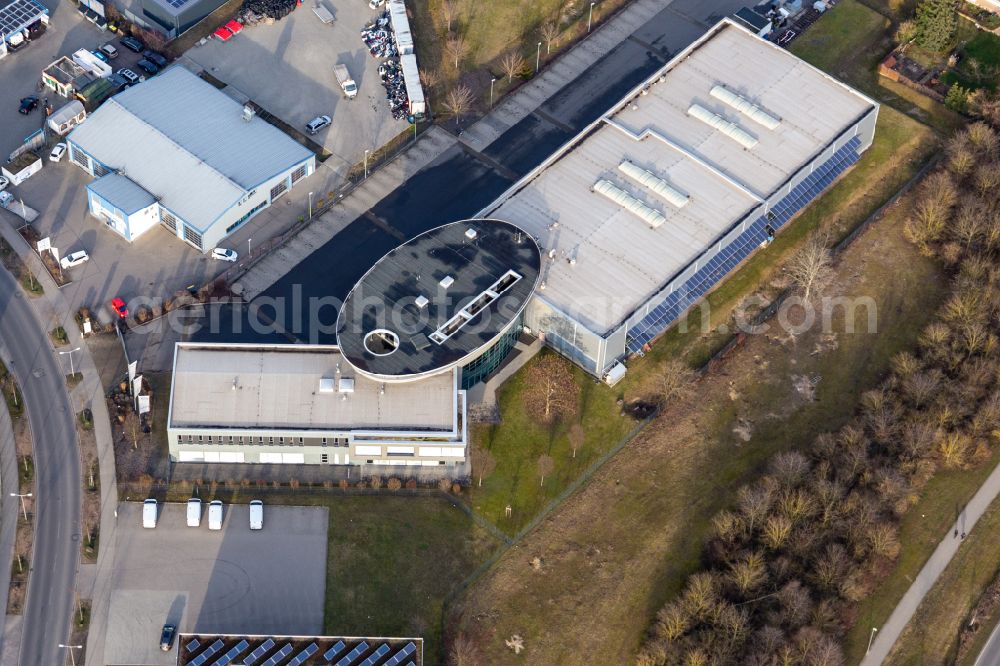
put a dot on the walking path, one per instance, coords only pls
(888, 633)
(52, 309)
(8, 509)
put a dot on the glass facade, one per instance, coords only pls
(485, 364)
(741, 247)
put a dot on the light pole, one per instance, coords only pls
(70, 352)
(310, 206)
(24, 509)
(492, 81)
(72, 655)
(871, 637)
(590, 18)
(366, 163)
(538, 57)
(248, 247)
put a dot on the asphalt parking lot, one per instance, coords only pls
(271, 581)
(287, 68)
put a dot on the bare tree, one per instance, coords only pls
(576, 437)
(552, 390)
(459, 102)
(429, 77)
(511, 63)
(550, 33)
(811, 267)
(483, 462)
(132, 427)
(463, 652)
(676, 381)
(546, 465)
(448, 12)
(456, 48)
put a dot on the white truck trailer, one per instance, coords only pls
(347, 84)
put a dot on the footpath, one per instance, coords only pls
(93, 580)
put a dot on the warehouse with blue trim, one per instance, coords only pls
(176, 152)
(651, 206)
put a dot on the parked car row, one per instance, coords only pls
(215, 510)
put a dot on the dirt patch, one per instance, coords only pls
(90, 513)
(20, 565)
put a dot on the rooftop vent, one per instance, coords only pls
(732, 130)
(421, 302)
(346, 385)
(471, 234)
(652, 217)
(325, 385)
(746, 107)
(248, 113)
(447, 281)
(658, 185)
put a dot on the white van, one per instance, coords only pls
(194, 512)
(256, 515)
(149, 514)
(215, 515)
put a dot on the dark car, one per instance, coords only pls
(147, 67)
(132, 44)
(28, 104)
(131, 77)
(167, 637)
(155, 58)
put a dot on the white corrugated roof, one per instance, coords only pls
(187, 143)
(620, 261)
(122, 193)
(279, 387)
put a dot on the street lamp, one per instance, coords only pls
(70, 352)
(72, 655)
(248, 247)
(492, 81)
(538, 57)
(24, 509)
(366, 163)
(310, 206)
(590, 18)
(870, 638)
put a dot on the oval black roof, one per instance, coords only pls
(439, 298)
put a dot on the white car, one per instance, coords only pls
(4, 182)
(256, 515)
(222, 254)
(215, 515)
(57, 153)
(74, 259)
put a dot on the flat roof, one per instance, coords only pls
(624, 253)
(279, 387)
(184, 140)
(64, 70)
(19, 14)
(299, 650)
(438, 298)
(122, 193)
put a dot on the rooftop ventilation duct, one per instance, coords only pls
(655, 183)
(652, 217)
(746, 107)
(732, 130)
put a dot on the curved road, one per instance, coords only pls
(56, 550)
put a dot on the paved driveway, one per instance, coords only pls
(287, 68)
(271, 581)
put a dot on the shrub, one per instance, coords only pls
(411, 484)
(444, 484)
(394, 484)
(344, 484)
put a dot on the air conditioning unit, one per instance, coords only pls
(248, 113)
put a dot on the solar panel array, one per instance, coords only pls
(376, 655)
(193, 645)
(259, 652)
(18, 15)
(305, 654)
(334, 650)
(358, 650)
(730, 256)
(398, 658)
(232, 653)
(279, 655)
(207, 654)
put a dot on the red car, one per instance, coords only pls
(118, 305)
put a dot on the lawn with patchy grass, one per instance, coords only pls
(931, 636)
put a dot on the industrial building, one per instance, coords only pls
(303, 404)
(198, 649)
(177, 152)
(174, 17)
(648, 208)
(20, 22)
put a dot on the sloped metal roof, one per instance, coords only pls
(187, 143)
(122, 193)
(19, 14)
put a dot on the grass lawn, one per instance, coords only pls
(984, 47)
(932, 634)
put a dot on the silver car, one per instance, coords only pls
(318, 123)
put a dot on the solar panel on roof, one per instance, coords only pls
(334, 650)
(405, 652)
(258, 652)
(232, 653)
(207, 654)
(376, 655)
(192, 645)
(353, 654)
(279, 655)
(305, 654)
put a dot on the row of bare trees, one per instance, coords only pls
(784, 567)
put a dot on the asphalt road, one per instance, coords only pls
(56, 551)
(461, 182)
(990, 654)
